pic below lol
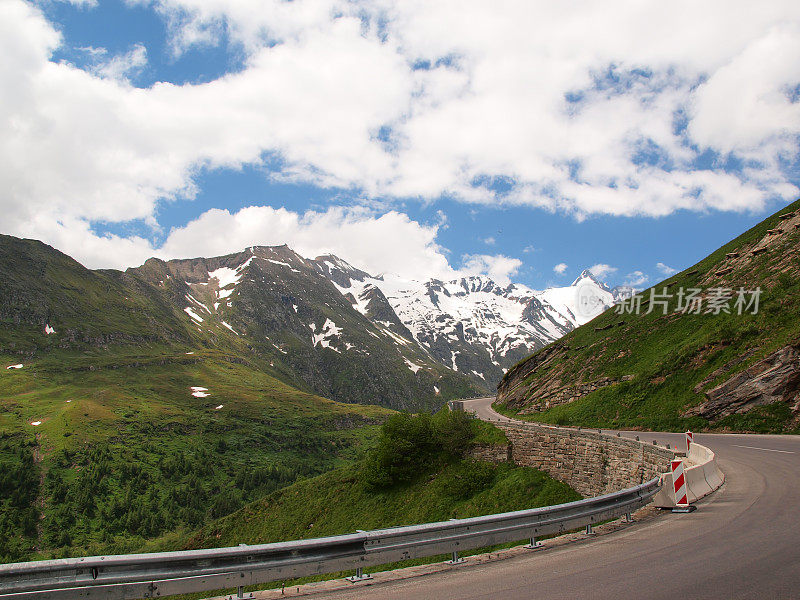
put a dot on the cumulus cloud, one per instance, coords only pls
(498, 267)
(386, 243)
(560, 268)
(665, 269)
(73, 143)
(378, 243)
(602, 270)
(636, 279)
(586, 109)
(122, 66)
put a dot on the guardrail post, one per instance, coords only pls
(534, 545)
(455, 559)
(359, 576)
(240, 594)
(628, 518)
(590, 530)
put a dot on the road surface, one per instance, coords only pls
(742, 542)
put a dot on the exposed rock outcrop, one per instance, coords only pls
(524, 391)
(774, 379)
(570, 393)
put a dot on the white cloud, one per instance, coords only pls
(665, 269)
(122, 66)
(602, 270)
(489, 241)
(730, 116)
(498, 267)
(560, 268)
(636, 279)
(387, 243)
(520, 95)
(77, 145)
(529, 249)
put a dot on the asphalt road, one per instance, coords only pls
(742, 542)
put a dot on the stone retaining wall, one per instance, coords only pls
(493, 453)
(590, 462)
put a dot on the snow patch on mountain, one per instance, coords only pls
(329, 330)
(188, 310)
(413, 366)
(194, 300)
(227, 278)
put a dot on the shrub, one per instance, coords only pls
(454, 431)
(410, 445)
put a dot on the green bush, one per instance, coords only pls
(407, 442)
(411, 445)
(454, 432)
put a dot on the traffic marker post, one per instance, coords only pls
(689, 440)
(679, 487)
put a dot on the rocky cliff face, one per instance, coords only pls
(527, 390)
(774, 379)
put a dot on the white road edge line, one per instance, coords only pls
(766, 449)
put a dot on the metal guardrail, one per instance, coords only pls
(162, 574)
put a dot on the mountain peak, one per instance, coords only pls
(339, 270)
(586, 274)
(337, 262)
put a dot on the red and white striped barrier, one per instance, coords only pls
(679, 484)
(689, 441)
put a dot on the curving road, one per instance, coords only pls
(742, 542)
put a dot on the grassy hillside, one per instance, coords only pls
(339, 502)
(123, 451)
(274, 319)
(654, 371)
(130, 418)
(417, 473)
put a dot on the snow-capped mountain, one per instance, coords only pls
(470, 327)
(288, 305)
(470, 324)
(320, 325)
(288, 312)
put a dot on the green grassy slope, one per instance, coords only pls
(125, 453)
(418, 472)
(121, 451)
(339, 502)
(659, 366)
(41, 286)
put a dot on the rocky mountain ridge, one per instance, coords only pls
(319, 324)
(471, 324)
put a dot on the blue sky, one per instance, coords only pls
(406, 138)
